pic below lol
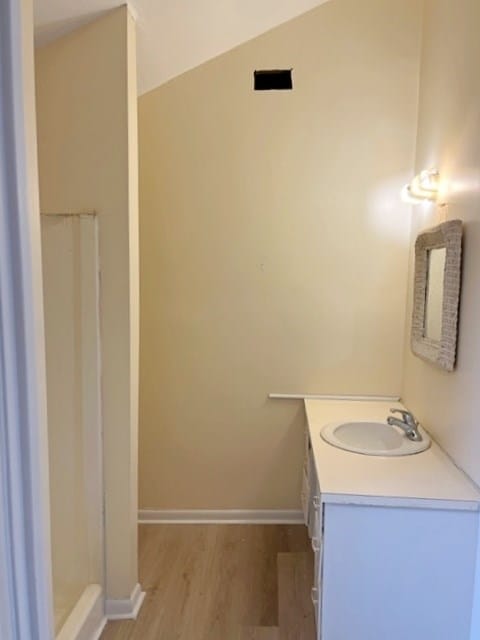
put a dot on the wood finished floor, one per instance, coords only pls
(222, 582)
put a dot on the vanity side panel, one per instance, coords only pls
(475, 630)
(398, 573)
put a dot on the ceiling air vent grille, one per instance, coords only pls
(273, 80)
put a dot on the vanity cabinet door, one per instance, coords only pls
(317, 546)
(314, 495)
(397, 573)
(305, 498)
(309, 486)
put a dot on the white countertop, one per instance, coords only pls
(429, 479)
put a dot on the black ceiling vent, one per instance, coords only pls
(273, 79)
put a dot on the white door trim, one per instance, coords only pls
(25, 579)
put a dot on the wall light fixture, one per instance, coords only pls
(424, 186)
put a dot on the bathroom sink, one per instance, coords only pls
(373, 438)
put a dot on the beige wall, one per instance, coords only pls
(87, 130)
(448, 404)
(178, 36)
(274, 249)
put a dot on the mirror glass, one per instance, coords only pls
(434, 294)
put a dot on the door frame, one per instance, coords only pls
(26, 610)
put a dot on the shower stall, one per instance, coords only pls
(72, 339)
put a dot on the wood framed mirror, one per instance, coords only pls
(438, 260)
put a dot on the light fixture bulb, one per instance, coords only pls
(409, 197)
(424, 186)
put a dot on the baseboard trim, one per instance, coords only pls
(87, 620)
(220, 516)
(125, 609)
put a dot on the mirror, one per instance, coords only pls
(434, 293)
(438, 253)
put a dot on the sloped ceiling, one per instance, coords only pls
(174, 35)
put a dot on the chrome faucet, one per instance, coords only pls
(407, 423)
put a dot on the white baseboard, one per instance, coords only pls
(220, 516)
(125, 609)
(87, 620)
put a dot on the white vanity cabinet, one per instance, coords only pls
(312, 512)
(393, 564)
(310, 489)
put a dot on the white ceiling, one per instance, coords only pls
(173, 36)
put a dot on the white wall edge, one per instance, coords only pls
(125, 609)
(26, 608)
(87, 620)
(132, 11)
(318, 396)
(220, 516)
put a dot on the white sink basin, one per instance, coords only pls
(373, 438)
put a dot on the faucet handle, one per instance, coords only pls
(408, 417)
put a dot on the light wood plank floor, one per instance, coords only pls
(220, 582)
(295, 580)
